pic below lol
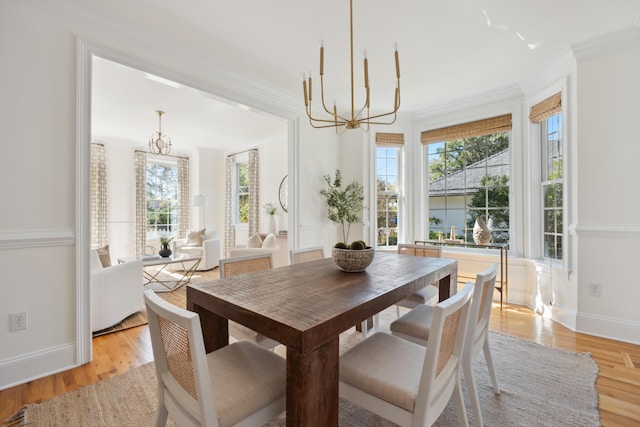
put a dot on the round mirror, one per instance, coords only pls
(283, 193)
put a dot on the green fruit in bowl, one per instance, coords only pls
(358, 245)
(341, 245)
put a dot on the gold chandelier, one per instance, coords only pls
(158, 142)
(356, 120)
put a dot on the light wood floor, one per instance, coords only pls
(618, 383)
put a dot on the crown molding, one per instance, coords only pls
(617, 41)
(548, 74)
(506, 93)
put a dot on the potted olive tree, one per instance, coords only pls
(344, 207)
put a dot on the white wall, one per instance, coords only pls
(608, 228)
(209, 181)
(37, 167)
(273, 167)
(316, 155)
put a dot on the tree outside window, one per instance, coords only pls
(242, 192)
(162, 200)
(387, 187)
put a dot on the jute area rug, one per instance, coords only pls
(541, 386)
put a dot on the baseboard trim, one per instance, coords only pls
(565, 316)
(36, 365)
(608, 327)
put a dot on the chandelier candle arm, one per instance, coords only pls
(366, 70)
(321, 57)
(395, 54)
(355, 120)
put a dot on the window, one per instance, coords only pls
(162, 199)
(552, 186)
(547, 114)
(242, 193)
(468, 177)
(387, 187)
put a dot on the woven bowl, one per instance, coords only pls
(352, 261)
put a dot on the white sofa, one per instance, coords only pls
(255, 246)
(209, 250)
(116, 291)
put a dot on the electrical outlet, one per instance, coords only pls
(18, 321)
(595, 290)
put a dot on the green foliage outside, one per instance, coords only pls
(162, 196)
(387, 212)
(552, 195)
(458, 154)
(492, 201)
(243, 193)
(434, 235)
(344, 205)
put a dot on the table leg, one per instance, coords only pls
(312, 386)
(447, 287)
(215, 329)
(369, 324)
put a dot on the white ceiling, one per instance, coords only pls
(125, 100)
(449, 50)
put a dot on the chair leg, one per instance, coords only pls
(161, 415)
(376, 322)
(492, 371)
(364, 326)
(397, 311)
(472, 390)
(458, 399)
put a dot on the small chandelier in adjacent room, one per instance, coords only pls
(160, 143)
(360, 119)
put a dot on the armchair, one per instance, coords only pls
(116, 291)
(209, 250)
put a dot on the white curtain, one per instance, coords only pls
(99, 228)
(140, 164)
(184, 197)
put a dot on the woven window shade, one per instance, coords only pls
(545, 109)
(389, 139)
(467, 130)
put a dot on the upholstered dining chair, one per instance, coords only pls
(407, 383)
(246, 264)
(416, 326)
(239, 384)
(306, 254)
(428, 295)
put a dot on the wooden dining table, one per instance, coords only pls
(305, 307)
